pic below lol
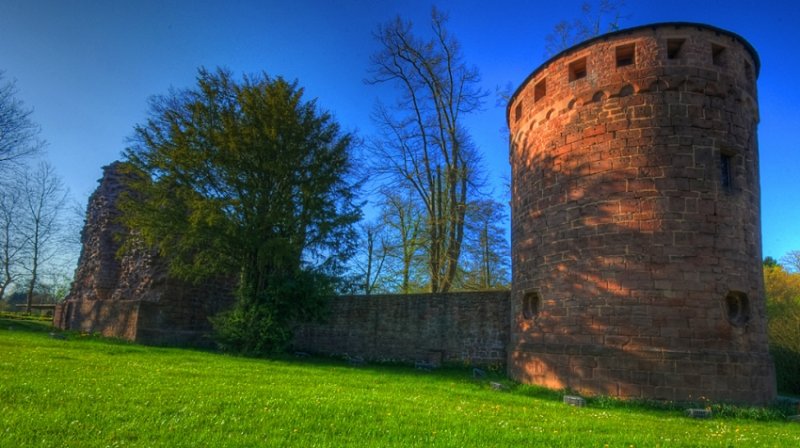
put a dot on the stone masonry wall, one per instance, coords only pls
(116, 319)
(636, 238)
(464, 327)
(132, 296)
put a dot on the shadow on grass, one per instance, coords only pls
(481, 378)
(25, 322)
(777, 411)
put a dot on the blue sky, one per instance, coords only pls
(88, 67)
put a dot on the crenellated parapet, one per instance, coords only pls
(670, 57)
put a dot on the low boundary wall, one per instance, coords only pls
(464, 327)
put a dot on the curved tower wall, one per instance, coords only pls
(636, 237)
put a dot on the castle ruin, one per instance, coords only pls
(636, 239)
(131, 296)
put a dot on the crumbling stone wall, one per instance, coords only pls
(636, 238)
(132, 297)
(465, 327)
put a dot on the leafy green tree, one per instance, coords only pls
(783, 310)
(246, 180)
(782, 286)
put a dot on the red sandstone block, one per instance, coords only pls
(594, 130)
(631, 390)
(616, 341)
(572, 137)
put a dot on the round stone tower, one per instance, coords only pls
(636, 236)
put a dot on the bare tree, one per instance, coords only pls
(603, 17)
(43, 199)
(791, 261)
(488, 254)
(423, 143)
(10, 243)
(373, 255)
(18, 133)
(403, 219)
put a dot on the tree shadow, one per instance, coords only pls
(636, 247)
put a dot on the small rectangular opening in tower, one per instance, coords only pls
(626, 55)
(577, 69)
(539, 90)
(531, 303)
(726, 170)
(748, 72)
(718, 54)
(674, 48)
(518, 111)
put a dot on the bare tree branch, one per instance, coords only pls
(601, 17)
(43, 199)
(18, 133)
(423, 144)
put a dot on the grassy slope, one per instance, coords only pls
(85, 392)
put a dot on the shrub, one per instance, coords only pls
(261, 320)
(783, 309)
(784, 336)
(250, 329)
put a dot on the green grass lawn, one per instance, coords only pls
(88, 392)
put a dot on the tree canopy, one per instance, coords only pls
(782, 288)
(245, 179)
